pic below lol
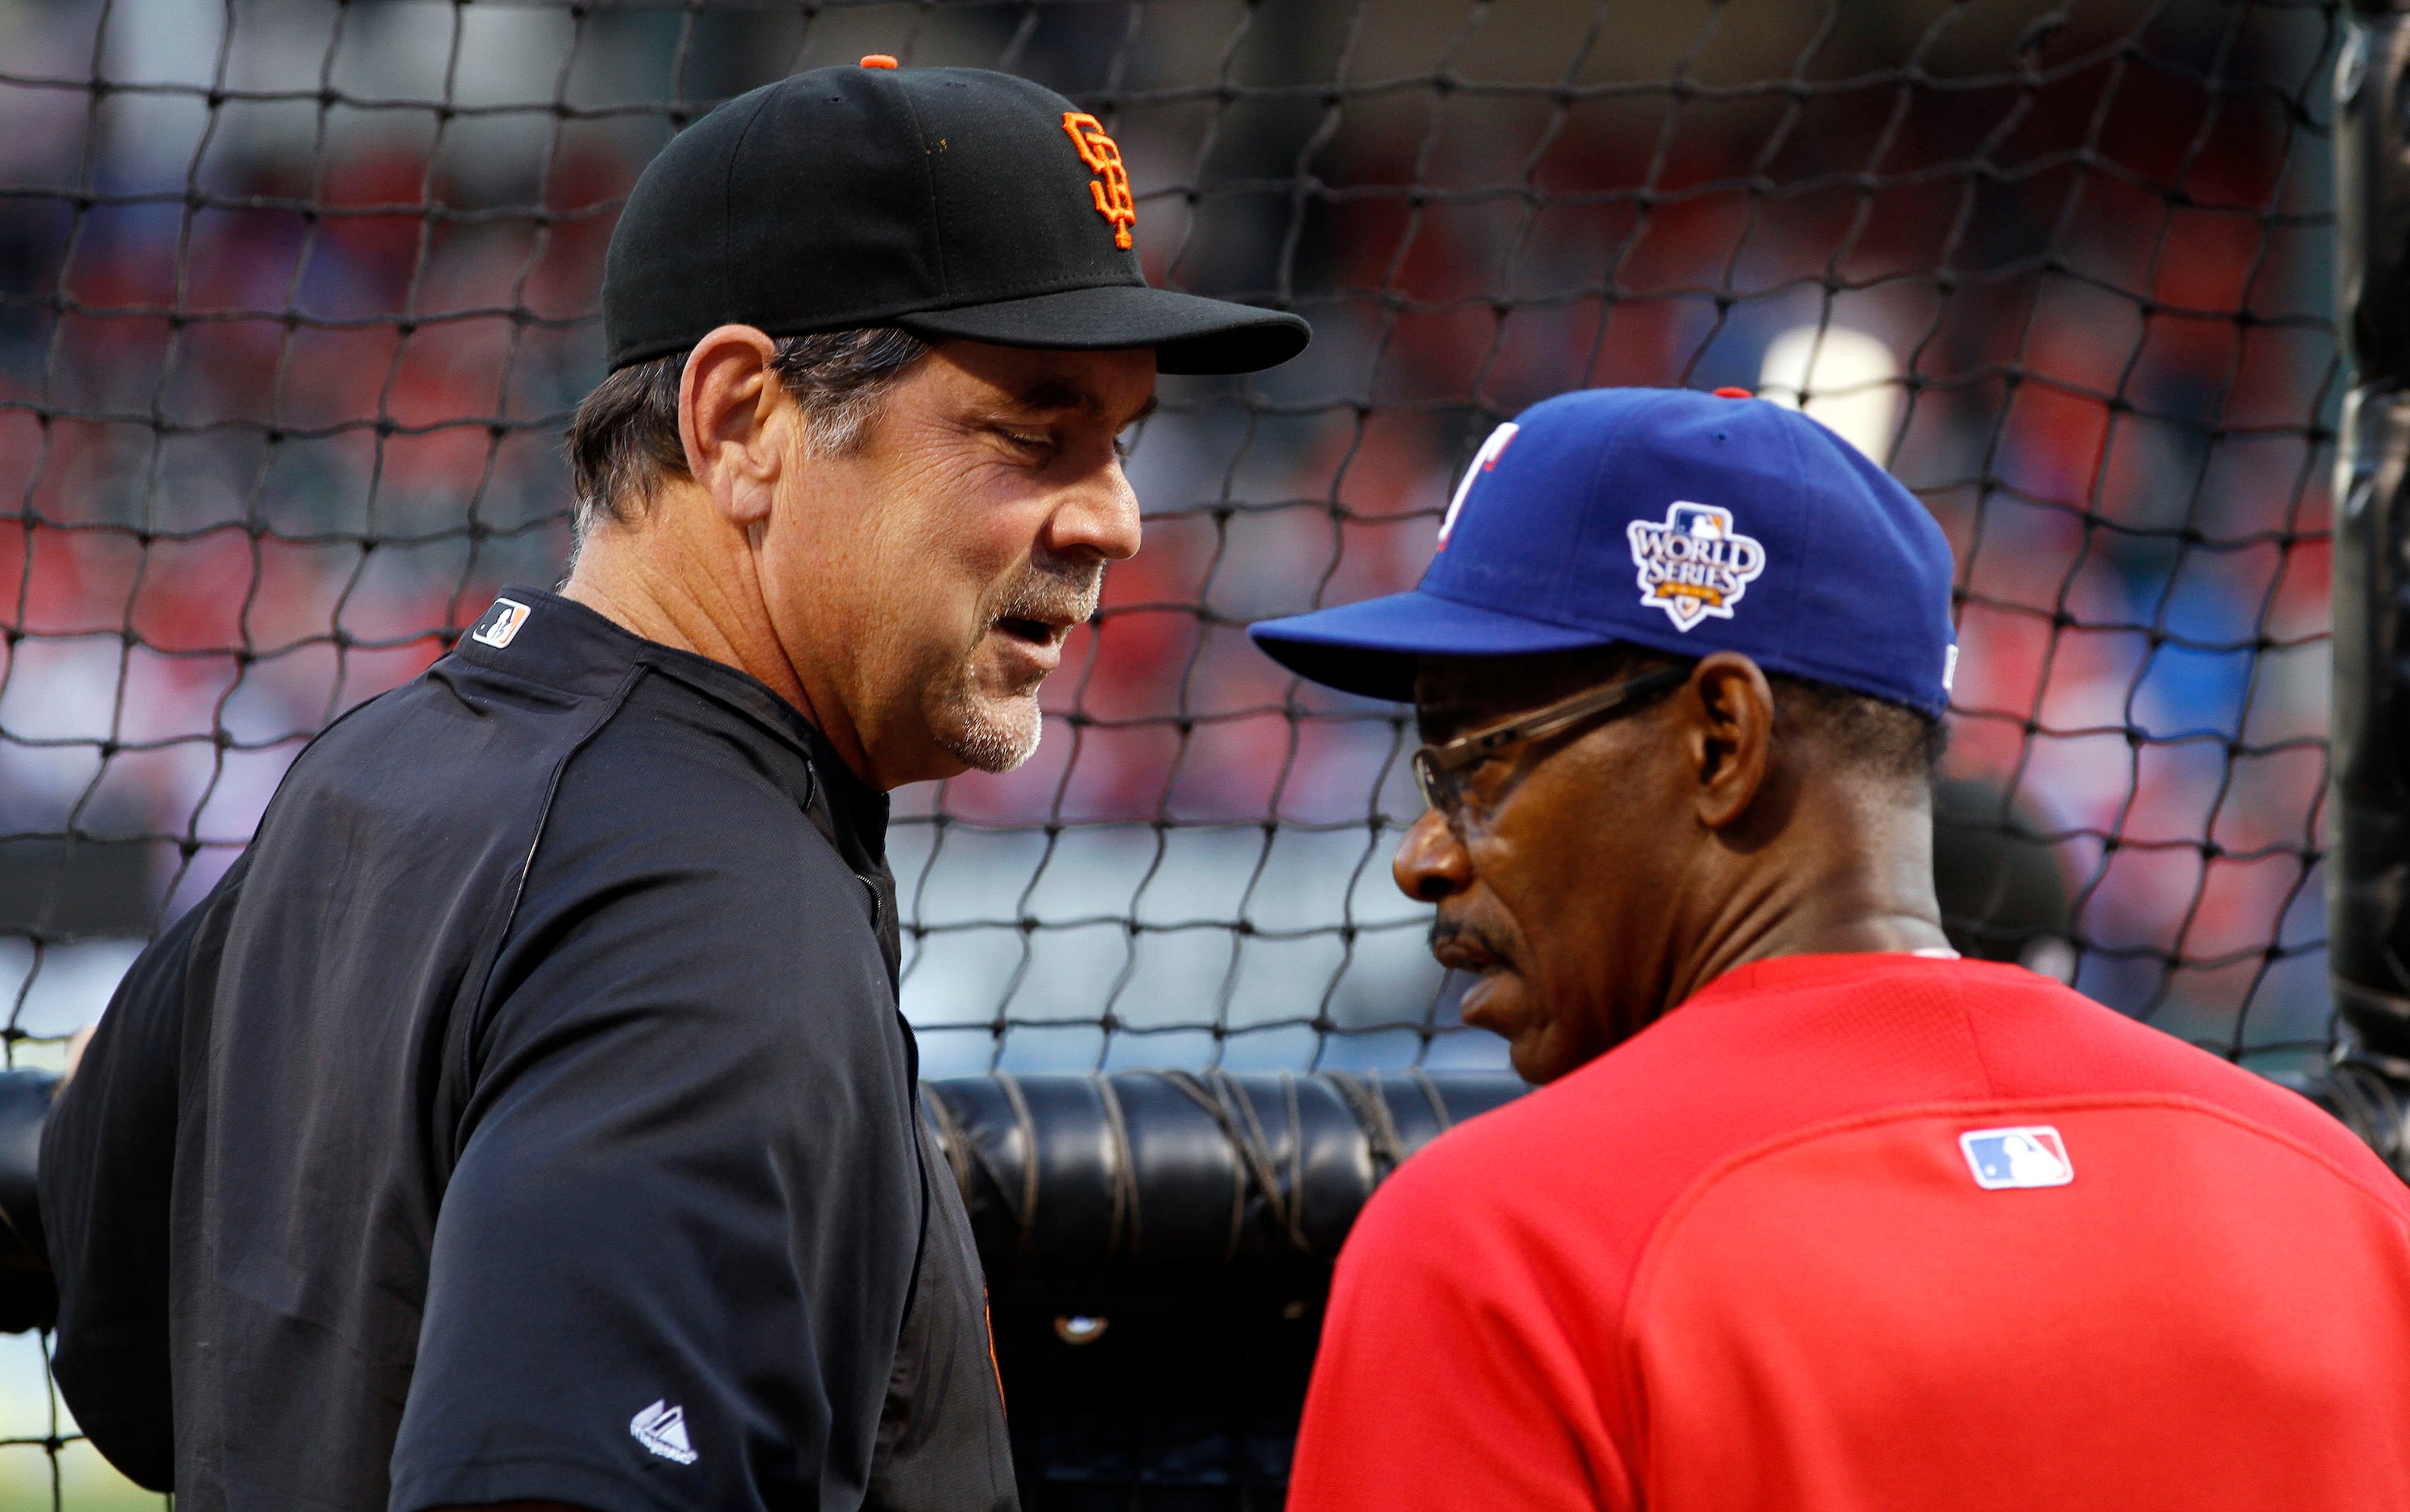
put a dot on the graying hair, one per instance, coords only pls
(624, 438)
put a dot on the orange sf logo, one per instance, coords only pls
(1111, 188)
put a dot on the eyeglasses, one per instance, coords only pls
(1440, 771)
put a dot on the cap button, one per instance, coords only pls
(876, 60)
(1733, 393)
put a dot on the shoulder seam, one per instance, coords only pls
(1957, 991)
(1693, 1193)
(609, 710)
(1671, 1216)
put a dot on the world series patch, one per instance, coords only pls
(1694, 564)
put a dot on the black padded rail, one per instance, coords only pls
(1083, 1190)
(27, 1298)
(2368, 907)
(1137, 1181)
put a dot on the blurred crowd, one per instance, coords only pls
(291, 315)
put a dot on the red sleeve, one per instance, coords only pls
(1445, 1378)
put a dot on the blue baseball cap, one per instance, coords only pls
(1684, 522)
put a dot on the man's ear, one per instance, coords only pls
(732, 414)
(1728, 713)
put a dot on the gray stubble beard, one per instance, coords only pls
(982, 736)
(996, 735)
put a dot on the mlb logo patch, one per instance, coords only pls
(500, 623)
(2033, 1156)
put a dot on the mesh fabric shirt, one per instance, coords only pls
(1749, 1259)
(528, 1115)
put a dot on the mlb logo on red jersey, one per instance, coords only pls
(2030, 1157)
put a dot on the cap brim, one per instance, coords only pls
(1190, 333)
(1372, 648)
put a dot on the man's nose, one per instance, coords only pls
(1101, 518)
(1432, 862)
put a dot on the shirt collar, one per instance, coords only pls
(1780, 973)
(549, 639)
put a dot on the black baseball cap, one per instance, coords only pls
(948, 201)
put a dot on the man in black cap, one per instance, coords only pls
(528, 1118)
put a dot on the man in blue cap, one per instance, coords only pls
(1809, 1214)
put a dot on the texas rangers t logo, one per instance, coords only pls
(1694, 564)
(1111, 186)
(1483, 460)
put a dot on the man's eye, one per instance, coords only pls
(1027, 440)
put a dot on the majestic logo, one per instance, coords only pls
(2005, 1158)
(1483, 460)
(662, 1429)
(1696, 564)
(501, 623)
(1110, 188)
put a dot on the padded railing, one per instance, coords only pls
(1085, 1191)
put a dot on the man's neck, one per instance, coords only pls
(1861, 882)
(712, 608)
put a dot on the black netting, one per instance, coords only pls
(295, 295)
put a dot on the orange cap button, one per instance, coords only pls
(1733, 393)
(878, 60)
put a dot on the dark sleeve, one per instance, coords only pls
(942, 1445)
(671, 1262)
(109, 1157)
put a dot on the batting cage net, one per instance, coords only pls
(295, 297)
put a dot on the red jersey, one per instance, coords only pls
(1875, 1231)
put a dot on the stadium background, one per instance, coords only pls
(295, 297)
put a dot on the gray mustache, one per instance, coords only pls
(1071, 596)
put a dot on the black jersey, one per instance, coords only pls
(528, 1114)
